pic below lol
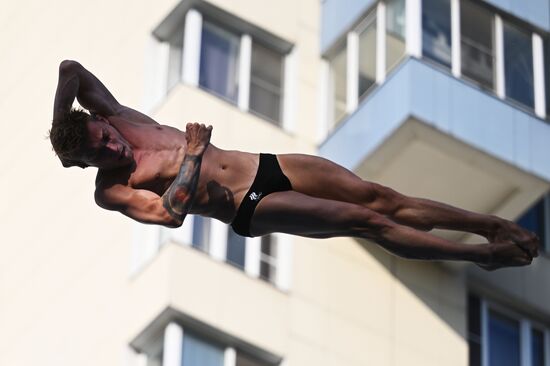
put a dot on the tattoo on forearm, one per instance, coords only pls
(178, 198)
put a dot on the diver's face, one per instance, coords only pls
(106, 147)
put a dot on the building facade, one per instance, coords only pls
(443, 99)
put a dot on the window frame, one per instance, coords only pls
(170, 343)
(217, 243)
(526, 326)
(192, 28)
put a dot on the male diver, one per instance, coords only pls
(158, 174)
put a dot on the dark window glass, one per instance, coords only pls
(266, 82)
(175, 57)
(199, 352)
(338, 85)
(367, 55)
(219, 62)
(518, 65)
(477, 51)
(474, 330)
(436, 32)
(395, 32)
(537, 348)
(504, 341)
(534, 220)
(268, 258)
(236, 245)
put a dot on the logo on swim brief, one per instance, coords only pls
(255, 196)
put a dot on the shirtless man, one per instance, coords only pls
(157, 174)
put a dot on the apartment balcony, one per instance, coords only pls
(428, 134)
(184, 285)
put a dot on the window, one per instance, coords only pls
(236, 246)
(504, 346)
(201, 233)
(266, 82)
(219, 61)
(395, 32)
(518, 65)
(184, 346)
(197, 351)
(474, 330)
(175, 59)
(537, 219)
(508, 335)
(268, 258)
(436, 32)
(476, 28)
(537, 347)
(367, 55)
(228, 63)
(338, 85)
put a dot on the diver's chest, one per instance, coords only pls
(154, 173)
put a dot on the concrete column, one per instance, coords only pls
(173, 345)
(413, 25)
(455, 38)
(252, 256)
(244, 72)
(192, 47)
(538, 75)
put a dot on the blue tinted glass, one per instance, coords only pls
(236, 245)
(200, 232)
(534, 220)
(436, 32)
(518, 65)
(504, 346)
(218, 63)
(537, 348)
(198, 352)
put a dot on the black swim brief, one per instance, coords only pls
(269, 178)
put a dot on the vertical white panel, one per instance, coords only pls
(284, 261)
(155, 73)
(352, 72)
(183, 234)
(145, 244)
(499, 54)
(290, 93)
(192, 47)
(413, 25)
(525, 341)
(173, 344)
(244, 71)
(455, 38)
(323, 101)
(230, 357)
(218, 240)
(484, 333)
(380, 42)
(538, 74)
(252, 256)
